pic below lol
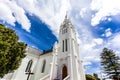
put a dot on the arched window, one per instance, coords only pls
(43, 67)
(63, 46)
(29, 66)
(66, 30)
(66, 43)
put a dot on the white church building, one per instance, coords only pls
(62, 62)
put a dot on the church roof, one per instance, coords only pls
(36, 51)
(33, 50)
(47, 51)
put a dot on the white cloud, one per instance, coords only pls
(11, 12)
(104, 8)
(51, 12)
(91, 70)
(91, 50)
(98, 41)
(6, 14)
(87, 63)
(82, 12)
(91, 54)
(108, 32)
(90, 47)
(114, 42)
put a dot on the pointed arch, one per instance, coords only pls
(64, 72)
(43, 66)
(66, 44)
(29, 65)
(63, 46)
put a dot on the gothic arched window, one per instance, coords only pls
(66, 30)
(43, 67)
(63, 46)
(66, 43)
(29, 66)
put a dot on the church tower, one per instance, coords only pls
(69, 66)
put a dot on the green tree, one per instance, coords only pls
(110, 63)
(11, 51)
(89, 77)
(96, 76)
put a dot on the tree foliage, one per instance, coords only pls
(11, 51)
(90, 77)
(110, 63)
(96, 76)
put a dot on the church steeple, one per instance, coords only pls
(66, 33)
(66, 26)
(66, 16)
(66, 22)
(68, 51)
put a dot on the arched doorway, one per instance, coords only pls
(64, 72)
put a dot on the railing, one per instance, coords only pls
(67, 78)
(45, 77)
(52, 66)
(58, 76)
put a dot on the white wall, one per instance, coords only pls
(31, 54)
(38, 74)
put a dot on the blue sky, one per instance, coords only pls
(37, 23)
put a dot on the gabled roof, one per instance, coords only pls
(47, 51)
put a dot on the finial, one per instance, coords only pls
(66, 15)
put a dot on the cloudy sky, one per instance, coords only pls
(37, 23)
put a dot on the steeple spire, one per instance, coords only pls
(66, 22)
(66, 16)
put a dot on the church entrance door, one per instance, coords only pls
(64, 72)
